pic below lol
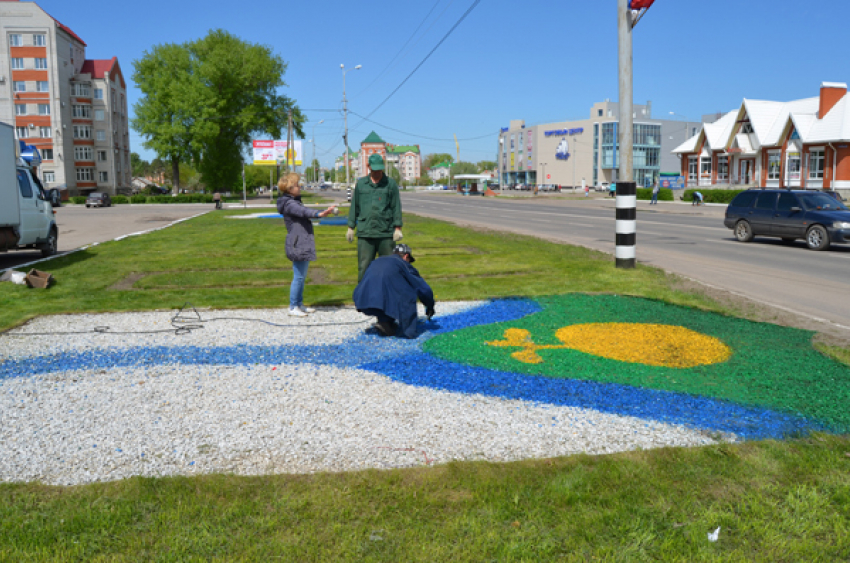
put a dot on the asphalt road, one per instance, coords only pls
(79, 226)
(679, 238)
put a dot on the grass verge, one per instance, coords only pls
(773, 500)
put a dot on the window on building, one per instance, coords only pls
(42, 86)
(81, 90)
(16, 40)
(693, 167)
(19, 86)
(746, 127)
(816, 164)
(43, 109)
(99, 115)
(82, 131)
(103, 176)
(98, 93)
(705, 166)
(49, 176)
(101, 135)
(600, 113)
(21, 132)
(41, 63)
(17, 63)
(45, 132)
(47, 154)
(722, 168)
(39, 40)
(83, 153)
(794, 166)
(112, 94)
(85, 174)
(774, 165)
(81, 111)
(20, 109)
(101, 156)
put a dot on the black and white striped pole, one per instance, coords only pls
(626, 227)
(626, 204)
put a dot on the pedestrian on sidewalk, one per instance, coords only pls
(217, 200)
(655, 191)
(697, 199)
(376, 214)
(300, 245)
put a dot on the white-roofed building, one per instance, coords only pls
(797, 144)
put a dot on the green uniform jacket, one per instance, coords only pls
(375, 208)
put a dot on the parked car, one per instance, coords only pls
(98, 199)
(818, 218)
(436, 187)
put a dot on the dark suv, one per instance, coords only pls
(816, 217)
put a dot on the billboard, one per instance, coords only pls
(272, 153)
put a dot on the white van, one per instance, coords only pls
(26, 216)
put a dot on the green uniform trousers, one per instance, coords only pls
(368, 249)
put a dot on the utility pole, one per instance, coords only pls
(626, 201)
(316, 170)
(345, 114)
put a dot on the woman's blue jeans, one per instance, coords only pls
(296, 290)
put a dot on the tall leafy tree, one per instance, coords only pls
(241, 81)
(486, 165)
(464, 168)
(173, 110)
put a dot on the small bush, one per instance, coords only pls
(78, 199)
(138, 198)
(663, 195)
(712, 196)
(119, 199)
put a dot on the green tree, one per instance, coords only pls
(172, 114)
(138, 165)
(394, 173)
(313, 172)
(434, 159)
(486, 165)
(464, 168)
(242, 82)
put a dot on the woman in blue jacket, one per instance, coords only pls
(300, 245)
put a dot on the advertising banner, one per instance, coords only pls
(272, 153)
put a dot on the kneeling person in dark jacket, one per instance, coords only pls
(389, 290)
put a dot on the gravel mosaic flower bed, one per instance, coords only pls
(500, 380)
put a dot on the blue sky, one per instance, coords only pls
(534, 60)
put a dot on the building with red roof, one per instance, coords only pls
(72, 108)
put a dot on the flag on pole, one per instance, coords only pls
(639, 8)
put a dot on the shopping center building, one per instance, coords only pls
(575, 153)
(769, 144)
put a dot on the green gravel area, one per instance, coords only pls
(771, 366)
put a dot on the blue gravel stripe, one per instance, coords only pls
(361, 349)
(424, 370)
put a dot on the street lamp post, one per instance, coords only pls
(345, 113)
(575, 161)
(687, 126)
(543, 167)
(316, 171)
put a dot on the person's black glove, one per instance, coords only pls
(429, 312)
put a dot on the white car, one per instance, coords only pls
(436, 187)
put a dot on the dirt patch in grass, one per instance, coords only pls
(127, 283)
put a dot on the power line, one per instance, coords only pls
(380, 74)
(446, 36)
(420, 136)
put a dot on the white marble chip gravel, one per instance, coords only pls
(95, 425)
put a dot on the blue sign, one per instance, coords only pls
(576, 131)
(672, 182)
(505, 129)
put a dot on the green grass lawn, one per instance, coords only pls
(774, 501)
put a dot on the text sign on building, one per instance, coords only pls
(576, 131)
(272, 153)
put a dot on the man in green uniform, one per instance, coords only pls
(376, 214)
